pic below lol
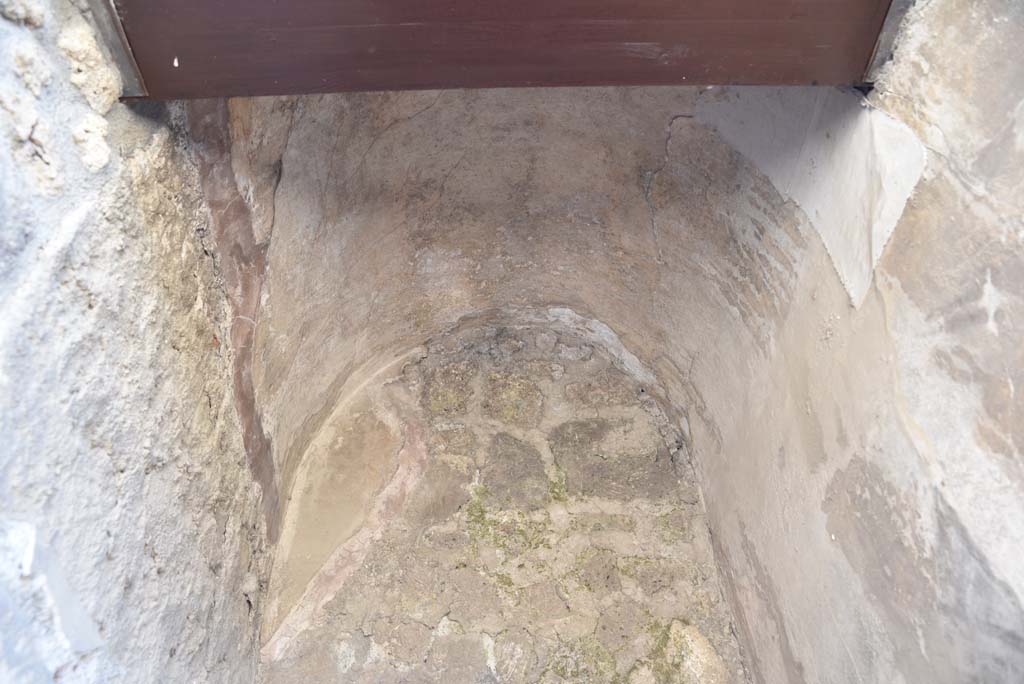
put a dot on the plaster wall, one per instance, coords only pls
(192, 300)
(130, 534)
(860, 465)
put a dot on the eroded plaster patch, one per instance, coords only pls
(849, 166)
(542, 525)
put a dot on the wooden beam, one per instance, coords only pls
(201, 48)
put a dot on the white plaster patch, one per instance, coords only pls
(90, 72)
(376, 654)
(28, 12)
(39, 606)
(31, 66)
(17, 545)
(444, 625)
(492, 660)
(850, 167)
(90, 139)
(345, 657)
(991, 300)
(20, 113)
(1018, 127)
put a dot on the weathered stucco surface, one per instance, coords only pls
(130, 535)
(209, 343)
(528, 513)
(803, 140)
(860, 467)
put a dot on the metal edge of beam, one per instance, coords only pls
(108, 23)
(886, 43)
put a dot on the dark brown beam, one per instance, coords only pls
(264, 47)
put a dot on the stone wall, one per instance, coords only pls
(130, 541)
